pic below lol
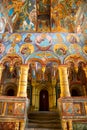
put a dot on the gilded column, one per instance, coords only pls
(17, 126)
(22, 89)
(70, 125)
(1, 70)
(64, 125)
(85, 69)
(84, 87)
(64, 84)
(22, 125)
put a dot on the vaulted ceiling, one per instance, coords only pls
(43, 16)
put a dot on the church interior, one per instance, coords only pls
(43, 64)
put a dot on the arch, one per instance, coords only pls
(8, 88)
(43, 62)
(12, 59)
(75, 59)
(76, 89)
(10, 92)
(54, 60)
(44, 100)
(34, 60)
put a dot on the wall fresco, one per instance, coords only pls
(73, 107)
(68, 16)
(7, 125)
(79, 125)
(42, 45)
(43, 15)
(22, 14)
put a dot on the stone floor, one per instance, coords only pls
(39, 129)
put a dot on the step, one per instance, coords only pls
(50, 126)
(44, 120)
(39, 129)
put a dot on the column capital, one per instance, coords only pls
(62, 66)
(1, 66)
(24, 66)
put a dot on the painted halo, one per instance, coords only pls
(2, 48)
(75, 48)
(85, 49)
(72, 38)
(27, 49)
(43, 42)
(60, 49)
(16, 37)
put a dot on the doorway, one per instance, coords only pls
(44, 101)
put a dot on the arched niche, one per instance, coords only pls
(75, 59)
(76, 89)
(43, 15)
(10, 89)
(11, 59)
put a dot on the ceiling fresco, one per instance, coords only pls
(43, 15)
(22, 14)
(43, 46)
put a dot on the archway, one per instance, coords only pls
(75, 93)
(44, 100)
(10, 92)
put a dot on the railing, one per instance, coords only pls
(12, 108)
(73, 107)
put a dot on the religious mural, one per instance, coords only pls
(43, 15)
(7, 125)
(79, 125)
(67, 15)
(21, 14)
(42, 46)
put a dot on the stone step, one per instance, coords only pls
(44, 121)
(39, 129)
(50, 126)
(48, 120)
(43, 115)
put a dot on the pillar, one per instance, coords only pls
(70, 125)
(4, 109)
(85, 69)
(84, 87)
(22, 88)
(64, 125)
(64, 83)
(33, 92)
(22, 125)
(1, 70)
(17, 126)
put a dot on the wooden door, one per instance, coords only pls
(44, 101)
